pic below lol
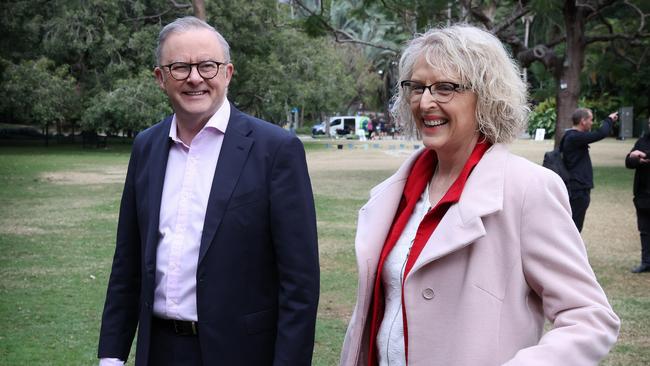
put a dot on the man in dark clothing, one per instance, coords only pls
(577, 159)
(639, 159)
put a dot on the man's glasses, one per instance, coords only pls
(441, 92)
(181, 70)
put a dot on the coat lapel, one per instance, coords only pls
(463, 223)
(156, 165)
(232, 158)
(376, 217)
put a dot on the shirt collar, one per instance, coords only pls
(218, 121)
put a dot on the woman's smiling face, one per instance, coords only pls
(443, 126)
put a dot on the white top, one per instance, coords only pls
(390, 338)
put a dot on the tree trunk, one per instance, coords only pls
(567, 74)
(301, 120)
(47, 134)
(199, 9)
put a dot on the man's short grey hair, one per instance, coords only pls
(580, 114)
(477, 60)
(185, 24)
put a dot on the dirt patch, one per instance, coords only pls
(608, 152)
(356, 159)
(387, 154)
(108, 174)
(20, 230)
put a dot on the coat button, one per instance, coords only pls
(428, 293)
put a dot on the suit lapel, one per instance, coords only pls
(232, 158)
(463, 223)
(156, 165)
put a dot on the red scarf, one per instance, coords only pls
(420, 174)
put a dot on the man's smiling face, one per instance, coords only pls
(194, 99)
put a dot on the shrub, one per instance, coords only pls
(543, 116)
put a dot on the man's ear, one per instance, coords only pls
(160, 77)
(229, 70)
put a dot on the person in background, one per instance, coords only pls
(578, 161)
(370, 127)
(216, 261)
(639, 160)
(467, 249)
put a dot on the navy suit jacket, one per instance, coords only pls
(257, 277)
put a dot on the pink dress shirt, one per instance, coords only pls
(188, 180)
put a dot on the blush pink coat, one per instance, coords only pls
(503, 259)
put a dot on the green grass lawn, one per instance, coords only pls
(57, 231)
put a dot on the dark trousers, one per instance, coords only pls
(579, 200)
(169, 349)
(643, 223)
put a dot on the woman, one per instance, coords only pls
(465, 251)
(639, 160)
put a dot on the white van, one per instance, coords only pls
(345, 125)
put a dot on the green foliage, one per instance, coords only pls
(542, 82)
(313, 27)
(38, 92)
(614, 81)
(543, 116)
(105, 45)
(298, 72)
(601, 106)
(282, 67)
(133, 105)
(280, 55)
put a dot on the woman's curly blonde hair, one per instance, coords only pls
(481, 64)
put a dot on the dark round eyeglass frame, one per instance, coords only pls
(435, 94)
(190, 66)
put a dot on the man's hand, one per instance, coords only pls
(642, 156)
(613, 116)
(110, 362)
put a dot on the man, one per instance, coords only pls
(216, 260)
(576, 157)
(639, 160)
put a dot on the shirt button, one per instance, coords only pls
(428, 293)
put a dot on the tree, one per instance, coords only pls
(561, 31)
(199, 8)
(363, 27)
(280, 67)
(564, 47)
(107, 46)
(38, 92)
(132, 105)
(99, 42)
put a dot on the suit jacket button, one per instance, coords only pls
(428, 293)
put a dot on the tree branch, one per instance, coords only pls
(642, 15)
(340, 35)
(615, 36)
(510, 20)
(147, 17)
(179, 5)
(637, 65)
